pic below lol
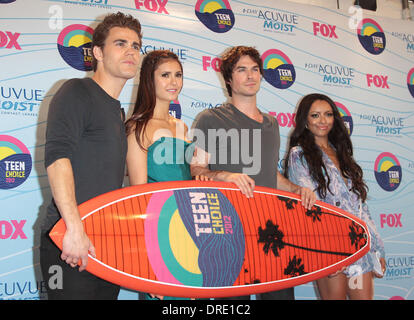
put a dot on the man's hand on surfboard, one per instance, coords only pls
(202, 177)
(243, 181)
(76, 246)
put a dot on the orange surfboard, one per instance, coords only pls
(206, 239)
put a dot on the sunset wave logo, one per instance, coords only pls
(371, 36)
(75, 46)
(15, 162)
(278, 69)
(216, 15)
(388, 171)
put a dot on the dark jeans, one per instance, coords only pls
(66, 283)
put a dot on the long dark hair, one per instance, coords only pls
(146, 98)
(338, 137)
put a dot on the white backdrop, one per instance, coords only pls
(368, 71)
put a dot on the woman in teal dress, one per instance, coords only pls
(158, 149)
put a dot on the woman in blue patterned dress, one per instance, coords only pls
(320, 157)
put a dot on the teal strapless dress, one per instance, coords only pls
(168, 159)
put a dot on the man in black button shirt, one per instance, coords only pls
(85, 155)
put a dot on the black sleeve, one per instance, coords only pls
(66, 121)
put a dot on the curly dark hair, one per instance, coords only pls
(230, 59)
(338, 137)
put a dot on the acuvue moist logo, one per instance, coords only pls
(274, 20)
(15, 162)
(410, 81)
(75, 46)
(407, 38)
(278, 70)
(332, 74)
(371, 36)
(215, 15)
(20, 101)
(346, 117)
(388, 171)
(399, 267)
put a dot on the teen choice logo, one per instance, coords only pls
(371, 36)
(215, 15)
(346, 117)
(278, 69)
(15, 162)
(75, 46)
(175, 109)
(194, 237)
(388, 171)
(410, 81)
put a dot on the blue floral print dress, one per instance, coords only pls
(340, 196)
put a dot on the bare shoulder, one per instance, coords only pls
(157, 128)
(180, 124)
(181, 130)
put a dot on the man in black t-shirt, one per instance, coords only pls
(85, 155)
(238, 143)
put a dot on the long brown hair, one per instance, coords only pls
(340, 140)
(146, 98)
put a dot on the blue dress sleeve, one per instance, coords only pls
(298, 171)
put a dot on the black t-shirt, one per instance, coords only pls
(239, 144)
(84, 125)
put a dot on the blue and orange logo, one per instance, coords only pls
(346, 117)
(278, 69)
(175, 109)
(371, 36)
(205, 242)
(388, 171)
(410, 81)
(215, 15)
(15, 162)
(75, 46)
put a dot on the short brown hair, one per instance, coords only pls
(110, 21)
(230, 59)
